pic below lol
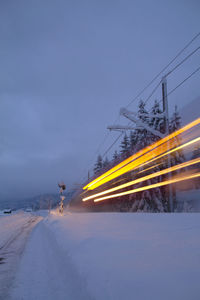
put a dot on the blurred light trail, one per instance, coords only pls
(171, 151)
(148, 187)
(146, 159)
(107, 175)
(162, 172)
(152, 167)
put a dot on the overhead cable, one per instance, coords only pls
(186, 58)
(178, 54)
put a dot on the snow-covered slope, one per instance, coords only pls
(112, 256)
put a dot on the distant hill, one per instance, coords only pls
(37, 202)
(191, 111)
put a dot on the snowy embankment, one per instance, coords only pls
(14, 230)
(112, 256)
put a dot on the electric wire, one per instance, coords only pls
(115, 141)
(156, 87)
(178, 54)
(186, 58)
(182, 82)
(148, 85)
(171, 71)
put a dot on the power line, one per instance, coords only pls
(96, 152)
(179, 53)
(184, 81)
(147, 86)
(186, 58)
(156, 87)
(115, 141)
(178, 65)
(159, 102)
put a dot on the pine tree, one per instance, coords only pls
(157, 122)
(125, 147)
(98, 165)
(176, 157)
(115, 158)
(132, 142)
(105, 163)
(141, 134)
(150, 200)
(115, 155)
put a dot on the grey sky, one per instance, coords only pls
(66, 68)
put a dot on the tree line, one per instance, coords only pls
(152, 200)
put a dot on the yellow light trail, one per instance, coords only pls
(169, 152)
(152, 186)
(159, 173)
(143, 160)
(152, 167)
(99, 180)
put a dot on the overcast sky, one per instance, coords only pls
(67, 67)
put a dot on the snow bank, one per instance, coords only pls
(126, 256)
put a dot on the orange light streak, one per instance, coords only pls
(162, 172)
(171, 151)
(149, 187)
(152, 167)
(143, 160)
(93, 184)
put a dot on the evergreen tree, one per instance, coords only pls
(150, 200)
(157, 122)
(175, 124)
(125, 147)
(105, 163)
(115, 155)
(176, 157)
(98, 165)
(141, 134)
(132, 141)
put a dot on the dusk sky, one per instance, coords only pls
(66, 69)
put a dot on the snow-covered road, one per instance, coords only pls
(14, 231)
(111, 256)
(46, 271)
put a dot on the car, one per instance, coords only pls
(28, 209)
(7, 211)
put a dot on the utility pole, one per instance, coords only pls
(166, 121)
(165, 104)
(165, 115)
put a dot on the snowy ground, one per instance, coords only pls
(111, 256)
(14, 230)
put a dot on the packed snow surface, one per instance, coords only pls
(14, 231)
(111, 256)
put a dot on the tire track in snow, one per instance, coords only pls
(12, 248)
(46, 272)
